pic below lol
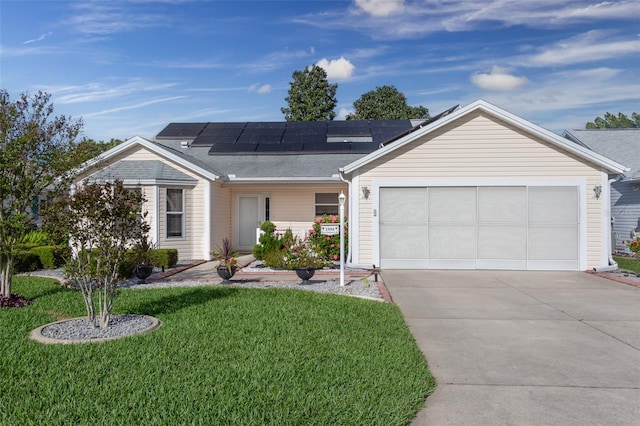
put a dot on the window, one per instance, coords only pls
(175, 213)
(327, 203)
(267, 208)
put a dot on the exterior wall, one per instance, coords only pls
(478, 149)
(625, 209)
(292, 205)
(190, 247)
(221, 214)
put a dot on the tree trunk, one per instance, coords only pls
(6, 273)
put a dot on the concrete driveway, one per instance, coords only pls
(524, 348)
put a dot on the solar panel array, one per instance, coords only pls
(352, 136)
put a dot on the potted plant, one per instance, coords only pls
(304, 260)
(226, 256)
(142, 259)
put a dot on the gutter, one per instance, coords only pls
(613, 265)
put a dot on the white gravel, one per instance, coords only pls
(79, 328)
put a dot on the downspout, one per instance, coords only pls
(613, 265)
(348, 263)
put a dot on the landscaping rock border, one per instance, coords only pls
(77, 330)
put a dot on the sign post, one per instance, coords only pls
(341, 200)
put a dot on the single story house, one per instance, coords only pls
(623, 146)
(475, 187)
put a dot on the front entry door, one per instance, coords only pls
(249, 220)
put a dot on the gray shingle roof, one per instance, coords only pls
(621, 145)
(143, 170)
(254, 166)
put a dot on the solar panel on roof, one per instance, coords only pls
(181, 130)
(232, 148)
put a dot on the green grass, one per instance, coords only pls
(222, 356)
(628, 263)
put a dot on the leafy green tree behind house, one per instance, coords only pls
(611, 121)
(37, 152)
(311, 97)
(89, 148)
(385, 103)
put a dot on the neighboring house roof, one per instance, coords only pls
(147, 171)
(621, 145)
(488, 108)
(286, 137)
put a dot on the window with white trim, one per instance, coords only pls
(327, 203)
(175, 213)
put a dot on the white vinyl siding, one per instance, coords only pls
(478, 149)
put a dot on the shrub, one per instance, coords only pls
(26, 261)
(268, 241)
(634, 245)
(160, 258)
(328, 246)
(278, 259)
(14, 301)
(52, 257)
(167, 258)
(36, 238)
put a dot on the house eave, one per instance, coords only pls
(301, 179)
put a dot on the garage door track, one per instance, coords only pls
(524, 348)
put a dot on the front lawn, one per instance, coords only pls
(222, 356)
(628, 263)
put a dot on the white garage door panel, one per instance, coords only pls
(404, 242)
(517, 227)
(403, 205)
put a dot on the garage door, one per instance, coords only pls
(506, 227)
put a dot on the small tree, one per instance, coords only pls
(385, 103)
(36, 153)
(311, 97)
(103, 220)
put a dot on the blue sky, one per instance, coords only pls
(131, 67)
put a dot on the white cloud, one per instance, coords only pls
(342, 114)
(588, 47)
(135, 106)
(42, 37)
(498, 79)
(419, 18)
(380, 7)
(337, 69)
(260, 89)
(110, 18)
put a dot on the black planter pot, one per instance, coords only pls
(142, 272)
(226, 273)
(305, 274)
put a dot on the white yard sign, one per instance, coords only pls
(329, 229)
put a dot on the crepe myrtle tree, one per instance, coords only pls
(103, 221)
(36, 155)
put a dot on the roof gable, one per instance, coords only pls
(191, 164)
(486, 107)
(151, 171)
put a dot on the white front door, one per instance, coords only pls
(248, 220)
